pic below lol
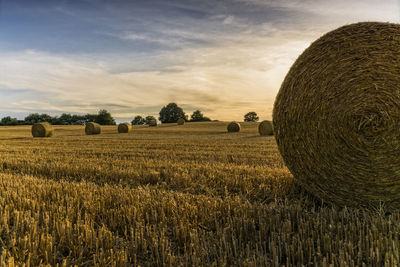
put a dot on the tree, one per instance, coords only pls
(148, 119)
(79, 119)
(251, 116)
(104, 118)
(65, 119)
(35, 117)
(171, 113)
(138, 120)
(198, 116)
(9, 121)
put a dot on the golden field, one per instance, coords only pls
(190, 195)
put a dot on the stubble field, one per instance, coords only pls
(190, 195)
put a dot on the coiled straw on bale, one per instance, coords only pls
(265, 128)
(181, 121)
(42, 129)
(233, 127)
(152, 123)
(92, 128)
(337, 116)
(125, 127)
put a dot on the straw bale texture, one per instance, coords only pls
(181, 121)
(42, 129)
(337, 116)
(92, 128)
(233, 127)
(265, 128)
(125, 127)
(153, 123)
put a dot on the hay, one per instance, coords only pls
(265, 128)
(42, 129)
(337, 116)
(92, 128)
(152, 123)
(181, 121)
(233, 127)
(125, 127)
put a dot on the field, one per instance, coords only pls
(190, 195)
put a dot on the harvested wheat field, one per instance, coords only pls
(173, 196)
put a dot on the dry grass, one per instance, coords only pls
(92, 128)
(170, 195)
(125, 127)
(42, 129)
(266, 128)
(337, 118)
(181, 121)
(233, 127)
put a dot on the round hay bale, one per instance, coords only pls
(337, 116)
(233, 127)
(125, 127)
(181, 121)
(92, 128)
(42, 129)
(153, 123)
(265, 128)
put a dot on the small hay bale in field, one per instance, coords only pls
(233, 127)
(152, 123)
(265, 128)
(92, 128)
(42, 129)
(337, 116)
(125, 127)
(181, 121)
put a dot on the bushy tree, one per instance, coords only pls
(138, 120)
(9, 121)
(149, 118)
(171, 113)
(251, 116)
(104, 118)
(35, 117)
(65, 119)
(198, 116)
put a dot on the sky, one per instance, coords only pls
(132, 57)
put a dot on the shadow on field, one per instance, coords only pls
(255, 137)
(16, 138)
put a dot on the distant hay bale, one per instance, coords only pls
(233, 127)
(42, 129)
(337, 116)
(265, 128)
(152, 123)
(125, 127)
(181, 121)
(92, 128)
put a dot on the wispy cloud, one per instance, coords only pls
(225, 58)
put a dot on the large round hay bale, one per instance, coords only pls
(265, 128)
(42, 129)
(181, 121)
(152, 123)
(337, 116)
(233, 127)
(92, 128)
(125, 127)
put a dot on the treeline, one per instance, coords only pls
(169, 114)
(103, 117)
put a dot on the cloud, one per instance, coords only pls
(225, 61)
(225, 80)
